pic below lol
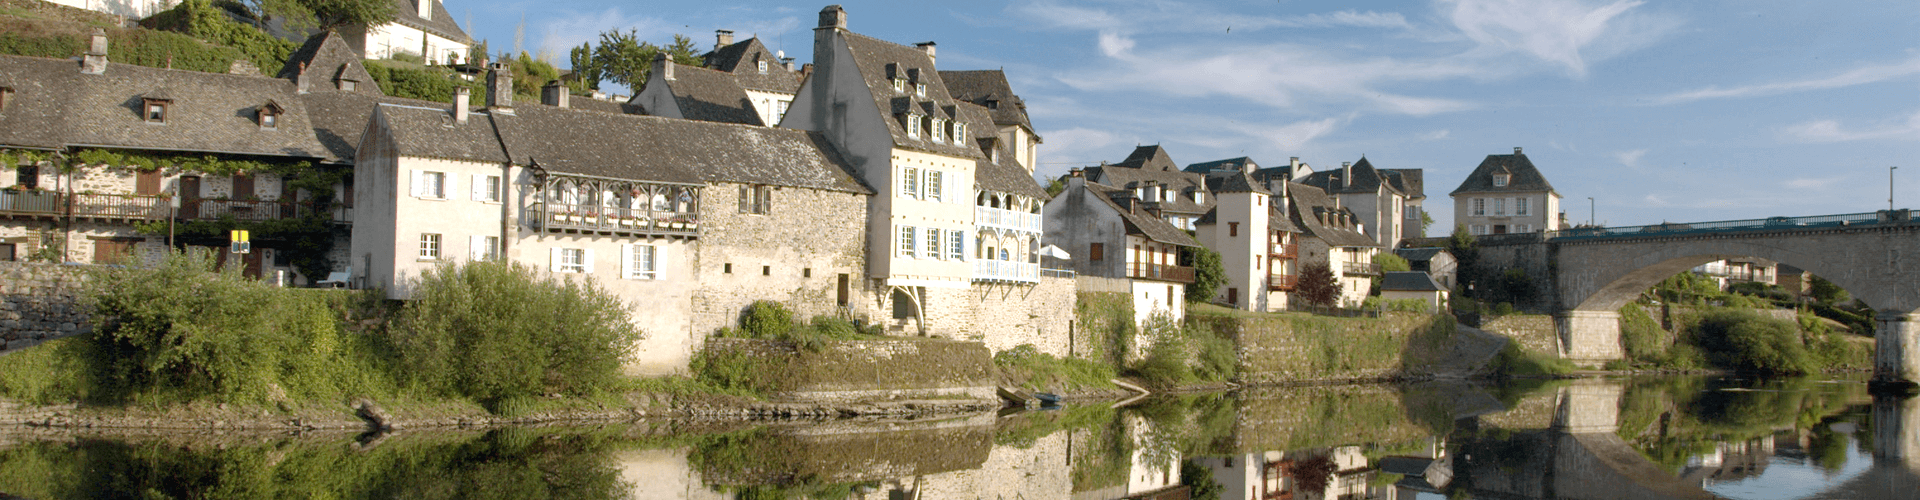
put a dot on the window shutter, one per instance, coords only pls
(476, 248)
(744, 194)
(554, 259)
(626, 261)
(588, 260)
(417, 184)
(480, 188)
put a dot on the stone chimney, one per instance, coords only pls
(555, 94)
(1152, 192)
(462, 104)
(500, 86)
(95, 60)
(833, 17)
(927, 47)
(425, 8)
(1346, 174)
(663, 67)
(1516, 150)
(722, 38)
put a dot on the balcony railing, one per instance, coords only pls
(1282, 282)
(1364, 268)
(32, 202)
(1008, 219)
(1285, 250)
(558, 217)
(1162, 273)
(100, 206)
(238, 209)
(1003, 270)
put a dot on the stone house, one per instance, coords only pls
(420, 27)
(1115, 241)
(1434, 261)
(693, 93)
(989, 89)
(1506, 194)
(1386, 202)
(1170, 192)
(1238, 227)
(1329, 234)
(768, 78)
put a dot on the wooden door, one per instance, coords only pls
(842, 297)
(111, 251)
(147, 183)
(243, 187)
(190, 197)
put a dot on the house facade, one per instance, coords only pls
(1117, 246)
(1506, 194)
(1330, 235)
(1239, 230)
(420, 27)
(1385, 202)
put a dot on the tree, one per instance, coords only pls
(1055, 187)
(624, 59)
(1828, 293)
(1388, 262)
(1208, 274)
(1426, 222)
(1317, 286)
(1466, 253)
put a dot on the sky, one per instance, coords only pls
(1659, 111)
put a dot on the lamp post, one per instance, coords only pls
(1590, 211)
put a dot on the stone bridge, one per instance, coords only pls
(1593, 272)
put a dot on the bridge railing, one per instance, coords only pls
(1676, 228)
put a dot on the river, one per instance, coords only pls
(1659, 437)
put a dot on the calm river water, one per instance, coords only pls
(1667, 437)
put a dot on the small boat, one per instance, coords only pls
(1047, 399)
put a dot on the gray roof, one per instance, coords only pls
(1243, 163)
(879, 61)
(742, 60)
(1523, 176)
(431, 132)
(1411, 181)
(1309, 201)
(671, 150)
(1421, 254)
(324, 60)
(339, 118)
(1141, 223)
(1280, 222)
(35, 116)
(1366, 179)
(989, 88)
(1233, 182)
(706, 95)
(407, 12)
(1409, 281)
(1150, 164)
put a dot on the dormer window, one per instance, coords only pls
(938, 132)
(899, 85)
(155, 110)
(1199, 197)
(993, 104)
(6, 96)
(763, 67)
(920, 89)
(1500, 180)
(269, 115)
(348, 85)
(913, 126)
(959, 132)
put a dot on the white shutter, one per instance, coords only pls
(651, 263)
(477, 248)
(417, 183)
(626, 261)
(554, 262)
(588, 260)
(480, 188)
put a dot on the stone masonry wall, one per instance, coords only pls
(38, 302)
(795, 255)
(1295, 348)
(872, 369)
(1006, 316)
(1534, 332)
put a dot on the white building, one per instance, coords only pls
(420, 27)
(1506, 194)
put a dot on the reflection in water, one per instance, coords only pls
(1673, 437)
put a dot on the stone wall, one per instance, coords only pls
(842, 453)
(1299, 347)
(1005, 316)
(869, 370)
(1534, 332)
(1525, 252)
(38, 302)
(796, 254)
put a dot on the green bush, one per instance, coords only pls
(202, 20)
(766, 319)
(1642, 337)
(180, 330)
(1512, 361)
(1743, 340)
(497, 332)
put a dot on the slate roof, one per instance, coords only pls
(878, 61)
(1280, 222)
(742, 60)
(1421, 254)
(1152, 158)
(1141, 223)
(1242, 163)
(35, 116)
(989, 86)
(1151, 164)
(325, 59)
(1006, 176)
(599, 105)
(340, 118)
(1411, 181)
(670, 150)
(706, 95)
(1409, 281)
(430, 132)
(405, 12)
(1234, 182)
(209, 112)
(1524, 177)
(1308, 200)
(1366, 179)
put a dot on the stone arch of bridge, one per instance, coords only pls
(1643, 272)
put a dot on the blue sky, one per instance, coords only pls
(1661, 111)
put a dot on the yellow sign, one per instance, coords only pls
(240, 243)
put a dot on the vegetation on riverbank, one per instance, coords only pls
(1740, 330)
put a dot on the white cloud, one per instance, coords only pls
(1566, 33)
(1176, 17)
(1629, 158)
(1436, 135)
(568, 31)
(1811, 183)
(1823, 131)
(1857, 76)
(1296, 135)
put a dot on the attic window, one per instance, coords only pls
(959, 132)
(269, 115)
(899, 85)
(6, 96)
(920, 89)
(913, 125)
(348, 85)
(763, 67)
(938, 132)
(1500, 180)
(993, 104)
(155, 110)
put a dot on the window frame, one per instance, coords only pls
(155, 110)
(957, 245)
(640, 261)
(432, 247)
(1520, 205)
(904, 240)
(564, 254)
(931, 238)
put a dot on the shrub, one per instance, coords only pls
(1512, 361)
(495, 332)
(1746, 341)
(766, 319)
(1642, 337)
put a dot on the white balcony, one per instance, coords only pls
(1005, 271)
(1006, 219)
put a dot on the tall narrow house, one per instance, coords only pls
(1506, 194)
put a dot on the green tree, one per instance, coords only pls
(622, 58)
(1055, 187)
(330, 14)
(1426, 222)
(1208, 274)
(1828, 293)
(1317, 285)
(1388, 262)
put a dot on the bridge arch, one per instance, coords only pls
(1640, 272)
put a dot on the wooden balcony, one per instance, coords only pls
(1161, 273)
(246, 210)
(1006, 219)
(1285, 250)
(1361, 268)
(48, 204)
(610, 220)
(1282, 282)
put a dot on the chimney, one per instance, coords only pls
(554, 94)
(1346, 174)
(95, 60)
(1516, 150)
(787, 62)
(462, 104)
(833, 17)
(927, 47)
(663, 67)
(722, 38)
(425, 8)
(500, 86)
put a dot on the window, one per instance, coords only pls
(938, 130)
(959, 132)
(155, 110)
(348, 85)
(1500, 180)
(429, 246)
(1523, 228)
(1233, 229)
(920, 89)
(763, 67)
(899, 85)
(766, 270)
(1477, 229)
(726, 268)
(910, 182)
(6, 96)
(957, 245)
(482, 247)
(780, 110)
(935, 190)
(1519, 206)
(1413, 213)
(269, 116)
(486, 188)
(1499, 206)
(430, 185)
(756, 199)
(906, 241)
(1479, 206)
(572, 260)
(1199, 197)
(913, 126)
(933, 243)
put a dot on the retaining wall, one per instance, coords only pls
(1300, 347)
(39, 302)
(870, 369)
